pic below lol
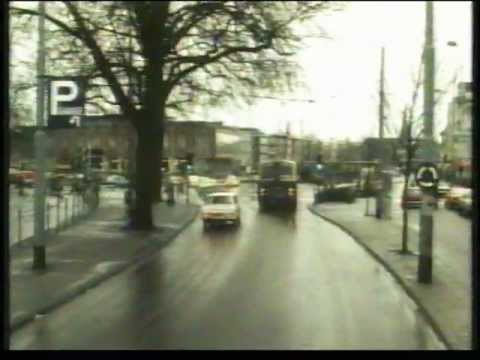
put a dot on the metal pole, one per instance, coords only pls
(382, 95)
(425, 260)
(48, 217)
(65, 217)
(19, 225)
(39, 253)
(408, 128)
(71, 212)
(83, 203)
(67, 221)
(58, 214)
(380, 194)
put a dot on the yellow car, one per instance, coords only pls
(454, 196)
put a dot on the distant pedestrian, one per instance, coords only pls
(21, 186)
(77, 186)
(56, 187)
(96, 193)
(130, 199)
(170, 193)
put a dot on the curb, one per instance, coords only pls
(436, 328)
(89, 283)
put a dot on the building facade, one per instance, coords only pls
(237, 142)
(385, 150)
(115, 139)
(190, 137)
(457, 136)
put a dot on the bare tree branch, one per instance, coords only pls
(101, 61)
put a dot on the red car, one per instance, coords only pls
(17, 176)
(413, 198)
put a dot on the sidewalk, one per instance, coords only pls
(447, 301)
(85, 254)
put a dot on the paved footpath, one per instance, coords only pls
(86, 254)
(447, 302)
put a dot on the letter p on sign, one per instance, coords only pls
(57, 96)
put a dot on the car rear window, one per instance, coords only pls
(221, 200)
(414, 191)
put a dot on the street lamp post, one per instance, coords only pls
(425, 259)
(40, 143)
(380, 196)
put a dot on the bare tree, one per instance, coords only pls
(410, 138)
(150, 57)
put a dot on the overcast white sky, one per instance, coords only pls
(343, 73)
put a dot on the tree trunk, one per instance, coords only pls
(149, 152)
(144, 178)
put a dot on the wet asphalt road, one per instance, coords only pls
(278, 282)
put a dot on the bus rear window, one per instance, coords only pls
(276, 170)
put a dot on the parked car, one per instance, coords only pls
(232, 180)
(28, 177)
(14, 175)
(116, 180)
(345, 192)
(465, 205)
(176, 179)
(443, 189)
(452, 199)
(412, 198)
(221, 207)
(193, 180)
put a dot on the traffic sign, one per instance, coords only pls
(427, 176)
(66, 101)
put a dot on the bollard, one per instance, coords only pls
(65, 213)
(67, 203)
(171, 194)
(19, 225)
(47, 217)
(71, 212)
(58, 215)
(74, 203)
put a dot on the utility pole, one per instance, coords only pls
(380, 195)
(39, 253)
(407, 142)
(425, 260)
(381, 114)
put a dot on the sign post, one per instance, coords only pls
(427, 179)
(39, 252)
(64, 107)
